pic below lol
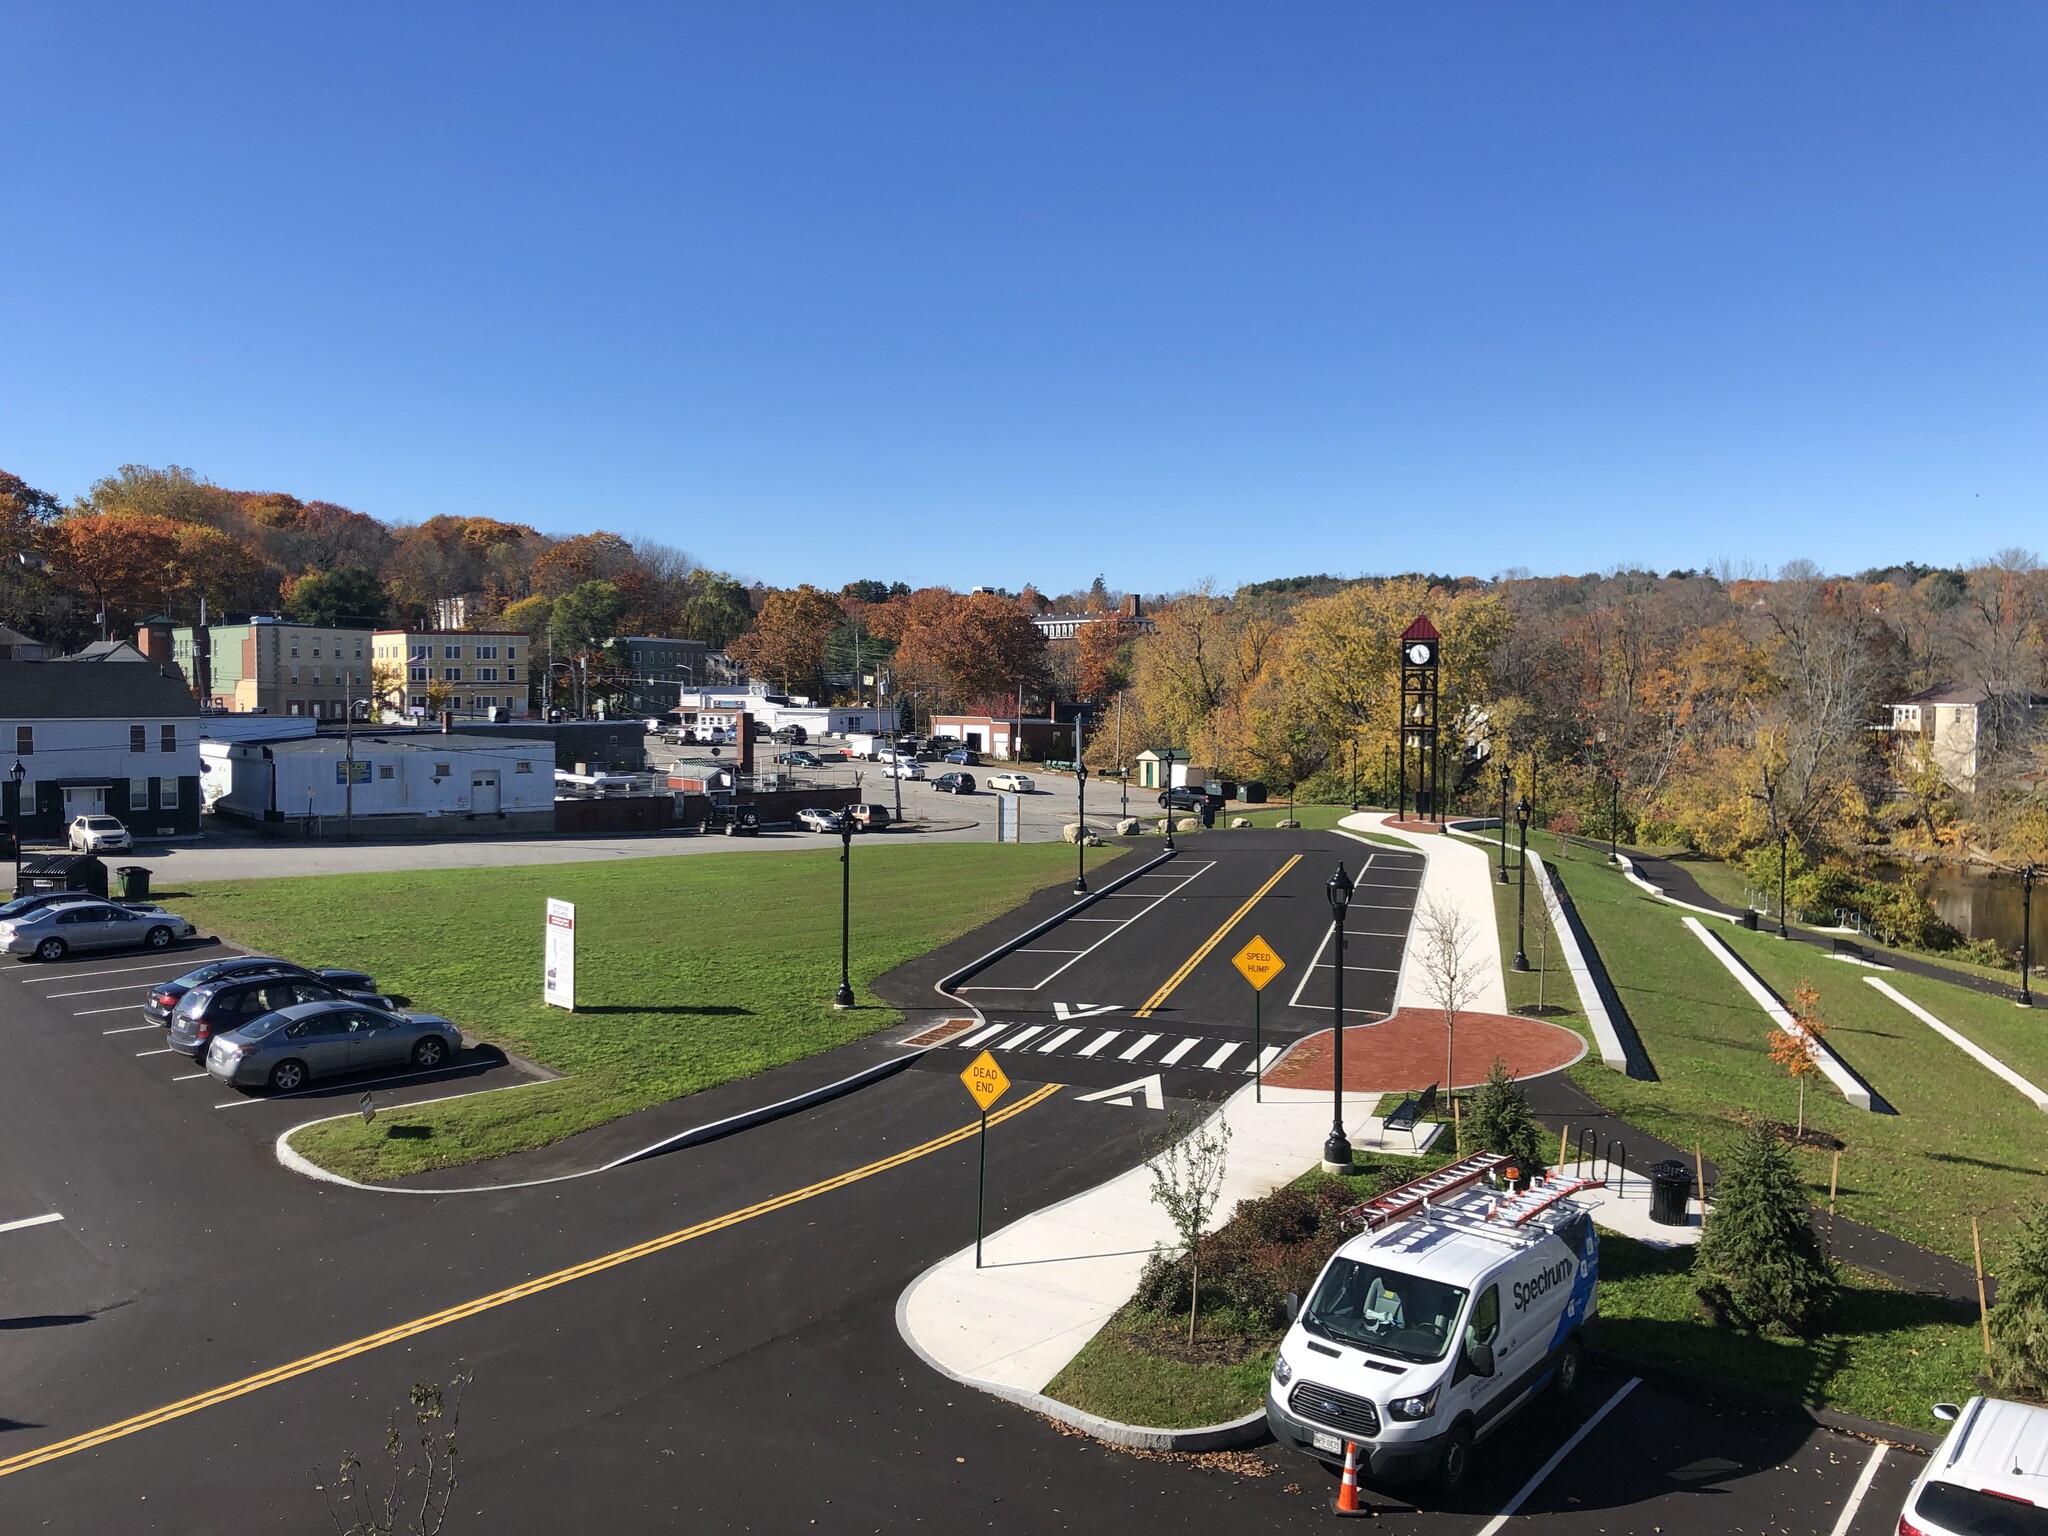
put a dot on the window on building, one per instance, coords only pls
(418, 674)
(511, 674)
(417, 701)
(422, 653)
(316, 650)
(487, 653)
(487, 674)
(519, 767)
(315, 707)
(138, 794)
(359, 650)
(170, 738)
(451, 653)
(455, 701)
(315, 679)
(637, 658)
(294, 708)
(511, 653)
(443, 770)
(167, 794)
(24, 740)
(387, 771)
(295, 677)
(451, 674)
(138, 738)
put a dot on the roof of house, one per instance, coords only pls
(105, 650)
(16, 637)
(1960, 693)
(411, 741)
(43, 690)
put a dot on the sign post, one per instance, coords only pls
(558, 989)
(987, 1082)
(1259, 965)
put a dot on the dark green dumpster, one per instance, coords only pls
(132, 882)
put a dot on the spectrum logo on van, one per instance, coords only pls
(1527, 1291)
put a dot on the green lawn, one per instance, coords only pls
(690, 971)
(2016, 1036)
(1961, 1144)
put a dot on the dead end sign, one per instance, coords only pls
(985, 1080)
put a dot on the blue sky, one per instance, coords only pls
(995, 293)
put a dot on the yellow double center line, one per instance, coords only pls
(1188, 965)
(418, 1325)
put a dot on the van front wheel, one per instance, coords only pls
(1568, 1362)
(1456, 1466)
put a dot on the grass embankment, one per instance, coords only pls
(1962, 1143)
(690, 972)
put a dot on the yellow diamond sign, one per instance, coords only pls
(1258, 962)
(985, 1080)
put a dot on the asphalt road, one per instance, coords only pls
(704, 1341)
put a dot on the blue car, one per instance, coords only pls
(966, 757)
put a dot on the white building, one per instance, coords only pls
(445, 785)
(91, 740)
(720, 709)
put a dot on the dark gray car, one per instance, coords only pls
(221, 1007)
(285, 1050)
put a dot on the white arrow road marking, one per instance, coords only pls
(1068, 1011)
(1149, 1088)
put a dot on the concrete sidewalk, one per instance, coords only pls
(1049, 1281)
(1459, 876)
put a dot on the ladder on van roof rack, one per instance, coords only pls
(1405, 1200)
(1539, 1197)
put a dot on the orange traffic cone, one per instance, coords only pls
(1347, 1501)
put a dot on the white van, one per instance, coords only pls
(1457, 1304)
(1990, 1475)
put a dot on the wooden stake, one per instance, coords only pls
(1699, 1167)
(1834, 1182)
(1983, 1311)
(1457, 1126)
(1564, 1138)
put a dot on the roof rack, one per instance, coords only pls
(1405, 1200)
(1539, 1197)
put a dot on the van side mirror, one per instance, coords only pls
(1294, 1314)
(1480, 1357)
(1948, 1413)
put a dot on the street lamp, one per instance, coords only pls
(1783, 931)
(1166, 785)
(843, 998)
(1522, 809)
(1507, 776)
(1081, 834)
(17, 773)
(1337, 1147)
(2026, 920)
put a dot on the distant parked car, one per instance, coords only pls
(1185, 797)
(904, 768)
(800, 759)
(793, 735)
(812, 819)
(51, 933)
(870, 818)
(1016, 783)
(286, 1049)
(220, 1007)
(163, 1000)
(954, 783)
(25, 904)
(98, 834)
(967, 757)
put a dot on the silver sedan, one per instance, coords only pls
(52, 932)
(284, 1050)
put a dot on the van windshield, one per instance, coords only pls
(1394, 1314)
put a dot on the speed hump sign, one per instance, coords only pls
(985, 1080)
(1258, 963)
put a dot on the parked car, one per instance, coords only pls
(967, 757)
(793, 735)
(40, 899)
(954, 783)
(286, 1049)
(870, 818)
(163, 1000)
(1016, 783)
(219, 1007)
(734, 820)
(800, 759)
(1988, 1476)
(814, 819)
(98, 834)
(52, 932)
(904, 768)
(1185, 797)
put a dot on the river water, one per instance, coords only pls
(1980, 904)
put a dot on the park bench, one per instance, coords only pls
(1409, 1114)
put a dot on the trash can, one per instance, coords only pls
(1670, 1187)
(132, 882)
(1252, 793)
(1748, 919)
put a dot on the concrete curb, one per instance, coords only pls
(1962, 1042)
(945, 984)
(1611, 1023)
(712, 1130)
(1249, 1430)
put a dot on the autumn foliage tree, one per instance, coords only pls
(1797, 1051)
(975, 649)
(119, 560)
(789, 638)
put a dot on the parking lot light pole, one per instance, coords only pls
(1337, 1147)
(17, 773)
(1506, 778)
(2026, 916)
(843, 998)
(1166, 785)
(1522, 885)
(1081, 835)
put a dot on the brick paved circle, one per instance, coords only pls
(1405, 1053)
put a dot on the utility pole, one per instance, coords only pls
(348, 733)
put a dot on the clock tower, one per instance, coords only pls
(1420, 644)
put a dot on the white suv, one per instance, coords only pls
(1991, 1473)
(98, 834)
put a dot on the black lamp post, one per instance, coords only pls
(1081, 833)
(17, 773)
(1166, 783)
(1337, 1146)
(2026, 922)
(843, 998)
(1783, 931)
(1522, 885)
(1351, 759)
(1613, 817)
(1386, 771)
(1506, 778)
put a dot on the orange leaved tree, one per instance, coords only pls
(1798, 1050)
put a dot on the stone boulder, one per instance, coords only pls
(1130, 826)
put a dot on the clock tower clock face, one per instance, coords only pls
(1420, 653)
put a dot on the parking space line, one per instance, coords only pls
(130, 1029)
(1036, 950)
(87, 1013)
(1167, 987)
(119, 970)
(1020, 1037)
(31, 1221)
(1120, 924)
(1059, 1039)
(133, 986)
(162, 1050)
(1180, 1050)
(1145, 1043)
(191, 1077)
(1861, 1491)
(1222, 1055)
(1315, 964)
(981, 1035)
(1557, 1458)
(1098, 1042)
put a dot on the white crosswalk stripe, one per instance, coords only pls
(982, 1036)
(1188, 1052)
(1180, 1050)
(1145, 1043)
(1058, 1040)
(1099, 1042)
(1019, 1038)
(1222, 1055)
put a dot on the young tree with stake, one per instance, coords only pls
(1797, 1050)
(1187, 1181)
(1449, 976)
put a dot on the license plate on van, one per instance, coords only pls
(1332, 1443)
